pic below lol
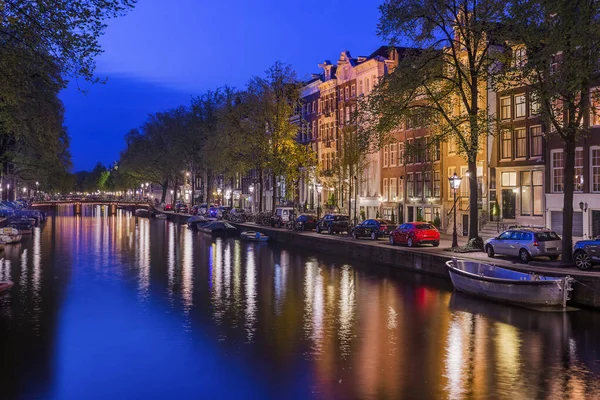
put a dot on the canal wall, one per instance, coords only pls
(586, 288)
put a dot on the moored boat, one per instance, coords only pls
(23, 226)
(9, 235)
(142, 212)
(222, 228)
(254, 236)
(506, 285)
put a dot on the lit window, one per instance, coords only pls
(521, 143)
(509, 179)
(385, 156)
(506, 144)
(536, 141)
(534, 106)
(520, 109)
(505, 108)
(393, 158)
(353, 90)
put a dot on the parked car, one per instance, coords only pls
(525, 243)
(306, 222)
(373, 228)
(223, 212)
(181, 208)
(281, 216)
(334, 223)
(168, 207)
(415, 233)
(586, 253)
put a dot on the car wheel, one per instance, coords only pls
(373, 236)
(392, 241)
(583, 260)
(330, 231)
(553, 258)
(524, 255)
(410, 242)
(436, 244)
(354, 235)
(489, 250)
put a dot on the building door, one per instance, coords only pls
(411, 214)
(509, 202)
(465, 224)
(595, 223)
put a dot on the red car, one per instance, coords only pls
(168, 207)
(415, 233)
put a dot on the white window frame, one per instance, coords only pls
(552, 169)
(581, 167)
(522, 106)
(385, 189)
(385, 156)
(502, 117)
(393, 157)
(592, 166)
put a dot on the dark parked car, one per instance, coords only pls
(181, 208)
(586, 253)
(373, 228)
(415, 233)
(306, 222)
(334, 223)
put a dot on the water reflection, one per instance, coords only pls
(160, 311)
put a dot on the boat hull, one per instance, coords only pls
(501, 284)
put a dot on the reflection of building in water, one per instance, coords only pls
(347, 303)
(280, 278)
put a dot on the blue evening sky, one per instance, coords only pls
(164, 52)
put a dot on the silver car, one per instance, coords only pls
(525, 243)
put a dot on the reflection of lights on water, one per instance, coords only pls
(187, 284)
(460, 328)
(318, 311)
(237, 275)
(37, 256)
(280, 281)
(309, 288)
(171, 258)
(347, 305)
(507, 355)
(144, 257)
(250, 311)
(392, 318)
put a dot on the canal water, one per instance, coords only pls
(119, 307)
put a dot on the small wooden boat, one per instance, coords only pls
(160, 216)
(141, 212)
(9, 235)
(24, 227)
(5, 285)
(222, 228)
(506, 285)
(254, 236)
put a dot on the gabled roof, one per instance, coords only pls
(384, 52)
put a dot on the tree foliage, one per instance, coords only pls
(445, 80)
(561, 64)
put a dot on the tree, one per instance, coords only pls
(273, 100)
(446, 79)
(561, 39)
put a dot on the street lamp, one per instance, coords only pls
(454, 184)
(319, 190)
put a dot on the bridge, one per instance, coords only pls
(77, 205)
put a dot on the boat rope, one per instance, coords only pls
(587, 286)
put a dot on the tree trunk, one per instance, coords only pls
(473, 197)
(174, 192)
(260, 191)
(209, 182)
(569, 178)
(163, 197)
(274, 193)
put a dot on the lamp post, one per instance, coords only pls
(319, 190)
(37, 185)
(454, 184)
